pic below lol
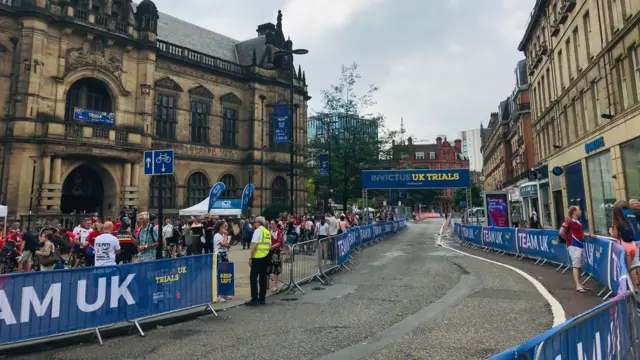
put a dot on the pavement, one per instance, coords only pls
(405, 298)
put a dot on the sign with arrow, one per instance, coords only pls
(158, 162)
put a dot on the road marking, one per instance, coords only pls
(557, 310)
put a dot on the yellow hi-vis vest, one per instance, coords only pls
(263, 245)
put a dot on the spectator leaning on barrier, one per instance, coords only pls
(624, 231)
(107, 246)
(259, 262)
(148, 238)
(275, 262)
(573, 234)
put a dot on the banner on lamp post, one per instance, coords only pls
(281, 123)
(214, 194)
(324, 164)
(247, 193)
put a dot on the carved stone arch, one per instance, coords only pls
(231, 98)
(169, 84)
(201, 91)
(197, 170)
(113, 84)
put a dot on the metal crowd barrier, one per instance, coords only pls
(319, 258)
(608, 331)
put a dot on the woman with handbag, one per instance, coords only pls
(47, 254)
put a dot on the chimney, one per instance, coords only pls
(439, 141)
(410, 140)
(265, 29)
(458, 145)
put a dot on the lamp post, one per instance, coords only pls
(291, 112)
(33, 183)
(262, 149)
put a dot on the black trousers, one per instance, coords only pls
(258, 275)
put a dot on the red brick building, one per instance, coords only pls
(441, 155)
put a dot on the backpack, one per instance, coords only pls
(565, 232)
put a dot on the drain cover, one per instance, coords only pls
(289, 299)
(317, 288)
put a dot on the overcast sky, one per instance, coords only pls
(442, 65)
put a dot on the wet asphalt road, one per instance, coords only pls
(405, 299)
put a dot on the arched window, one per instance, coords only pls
(197, 188)
(279, 190)
(167, 194)
(231, 187)
(89, 94)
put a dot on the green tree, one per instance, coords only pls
(460, 195)
(354, 138)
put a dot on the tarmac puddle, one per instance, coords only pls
(388, 257)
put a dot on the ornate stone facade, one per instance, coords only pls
(124, 67)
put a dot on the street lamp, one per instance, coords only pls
(33, 183)
(262, 149)
(291, 112)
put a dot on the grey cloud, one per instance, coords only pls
(442, 65)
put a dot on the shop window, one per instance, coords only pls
(602, 192)
(631, 165)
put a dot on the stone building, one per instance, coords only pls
(87, 86)
(583, 60)
(441, 155)
(494, 149)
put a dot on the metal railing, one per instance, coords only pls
(316, 259)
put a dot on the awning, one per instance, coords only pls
(201, 209)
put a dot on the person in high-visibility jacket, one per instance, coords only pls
(259, 262)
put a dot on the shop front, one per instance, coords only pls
(543, 196)
(529, 194)
(630, 152)
(602, 190)
(598, 170)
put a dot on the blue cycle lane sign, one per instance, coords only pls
(158, 162)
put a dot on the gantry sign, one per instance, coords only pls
(415, 179)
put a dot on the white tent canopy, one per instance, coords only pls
(3, 214)
(201, 209)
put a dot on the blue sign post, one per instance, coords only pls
(158, 162)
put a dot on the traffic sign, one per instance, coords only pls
(158, 162)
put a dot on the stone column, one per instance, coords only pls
(126, 177)
(57, 169)
(135, 177)
(46, 169)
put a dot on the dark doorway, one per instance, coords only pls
(558, 207)
(82, 192)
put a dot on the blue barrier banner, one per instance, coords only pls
(543, 244)
(395, 227)
(344, 244)
(47, 303)
(499, 238)
(366, 233)
(602, 333)
(226, 279)
(597, 255)
(378, 230)
(171, 284)
(415, 179)
(618, 270)
(472, 233)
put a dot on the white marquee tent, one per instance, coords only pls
(201, 209)
(3, 214)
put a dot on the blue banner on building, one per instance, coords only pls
(281, 123)
(214, 194)
(324, 165)
(247, 193)
(94, 117)
(415, 179)
(226, 279)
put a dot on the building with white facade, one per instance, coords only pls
(471, 148)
